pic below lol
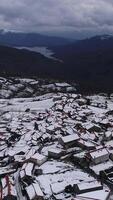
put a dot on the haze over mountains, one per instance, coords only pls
(19, 39)
(88, 62)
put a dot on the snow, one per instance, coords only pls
(22, 106)
(61, 177)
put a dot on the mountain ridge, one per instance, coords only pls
(30, 39)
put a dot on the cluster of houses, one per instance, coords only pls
(56, 146)
(20, 88)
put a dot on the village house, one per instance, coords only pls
(62, 85)
(86, 145)
(93, 128)
(8, 188)
(107, 176)
(37, 171)
(55, 153)
(98, 156)
(69, 140)
(34, 192)
(87, 187)
(81, 101)
(51, 129)
(29, 169)
(26, 174)
(57, 98)
(79, 158)
(95, 195)
(105, 123)
(108, 135)
(38, 159)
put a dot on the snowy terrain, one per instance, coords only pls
(37, 159)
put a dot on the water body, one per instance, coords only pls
(43, 50)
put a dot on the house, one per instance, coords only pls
(69, 140)
(34, 192)
(57, 98)
(108, 135)
(55, 153)
(110, 112)
(41, 116)
(93, 128)
(7, 170)
(81, 101)
(99, 167)
(8, 188)
(38, 159)
(79, 158)
(29, 169)
(107, 176)
(87, 187)
(59, 108)
(105, 123)
(85, 144)
(111, 153)
(39, 193)
(62, 85)
(37, 171)
(109, 145)
(96, 195)
(98, 156)
(26, 174)
(50, 129)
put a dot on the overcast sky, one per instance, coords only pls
(77, 18)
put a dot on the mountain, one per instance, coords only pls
(89, 61)
(94, 44)
(16, 39)
(24, 62)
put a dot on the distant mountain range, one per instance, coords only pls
(18, 39)
(89, 62)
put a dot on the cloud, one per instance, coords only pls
(57, 16)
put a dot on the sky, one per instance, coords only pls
(68, 18)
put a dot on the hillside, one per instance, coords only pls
(24, 62)
(89, 61)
